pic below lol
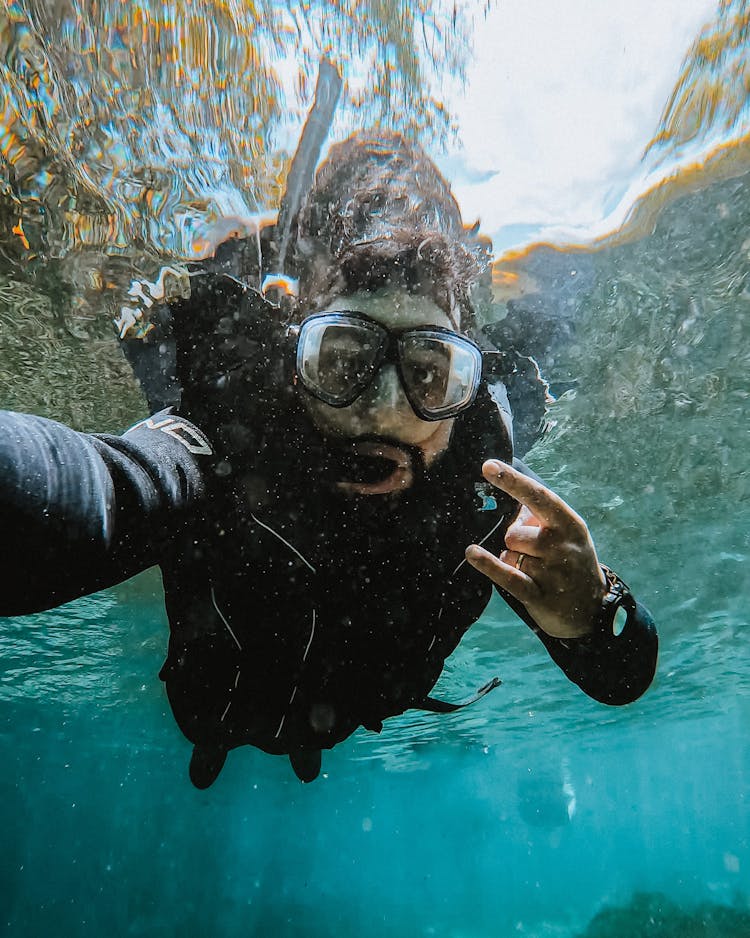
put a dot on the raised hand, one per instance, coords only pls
(550, 563)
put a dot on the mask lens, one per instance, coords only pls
(336, 357)
(440, 372)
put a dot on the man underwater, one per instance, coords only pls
(317, 502)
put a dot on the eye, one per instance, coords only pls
(344, 363)
(341, 363)
(423, 374)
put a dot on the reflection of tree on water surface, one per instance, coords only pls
(711, 96)
(128, 125)
(70, 370)
(140, 129)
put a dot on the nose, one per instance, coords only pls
(385, 402)
(387, 390)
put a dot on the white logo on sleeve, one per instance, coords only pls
(189, 436)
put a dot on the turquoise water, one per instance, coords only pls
(537, 812)
(527, 818)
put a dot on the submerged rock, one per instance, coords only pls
(653, 915)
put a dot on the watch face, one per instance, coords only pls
(619, 620)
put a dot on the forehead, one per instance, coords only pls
(395, 309)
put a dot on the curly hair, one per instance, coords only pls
(380, 214)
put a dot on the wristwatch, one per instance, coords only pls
(618, 596)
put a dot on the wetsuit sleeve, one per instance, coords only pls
(613, 669)
(80, 512)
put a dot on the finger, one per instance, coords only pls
(528, 540)
(515, 581)
(526, 516)
(531, 566)
(541, 501)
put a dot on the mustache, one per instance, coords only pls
(343, 459)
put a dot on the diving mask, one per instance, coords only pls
(338, 355)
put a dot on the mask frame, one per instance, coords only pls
(390, 346)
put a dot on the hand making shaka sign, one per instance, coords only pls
(549, 563)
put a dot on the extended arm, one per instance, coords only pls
(550, 575)
(80, 512)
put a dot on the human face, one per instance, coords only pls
(381, 423)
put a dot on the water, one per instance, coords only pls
(536, 812)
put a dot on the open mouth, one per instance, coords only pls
(373, 468)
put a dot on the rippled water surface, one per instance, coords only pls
(537, 811)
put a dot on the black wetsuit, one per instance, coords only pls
(297, 614)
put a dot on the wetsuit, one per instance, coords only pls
(297, 614)
(295, 617)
